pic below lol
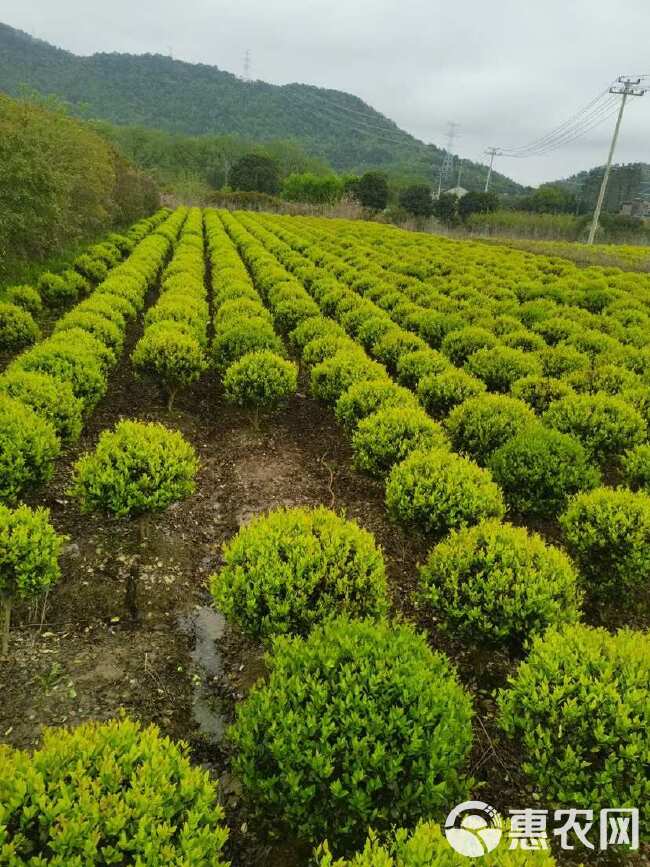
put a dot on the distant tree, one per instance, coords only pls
(315, 189)
(417, 200)
(477, 203)
(445, 208)
(549, 199)
(372, 191)
(256, 173)
(351, 186)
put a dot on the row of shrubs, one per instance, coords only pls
(172, 350)
(538, 468)
(21, 305)
(246, 350)
(47, 391)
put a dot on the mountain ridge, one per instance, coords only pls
(176, 96)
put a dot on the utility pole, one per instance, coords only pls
(625, 87)
(448, 159)
(493, 152)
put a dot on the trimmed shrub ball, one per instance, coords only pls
(51, 399)
(605, 425)
(607, 532)
(501, 366)
(579, 709)
(17, 328)
(332, 377)
(359, 725)
(459, 345)
(28, 448)
(539, 392)
(389, 435)
(108, 793)
(412, 366)
(496, 584)
(25, 296)
(170, 356)
(240, 336)
(438, 491)
(137, 467)
(539, 469)
(292, 568)
(260, 382)
(367, 397)
(441, 392)
(481, 425)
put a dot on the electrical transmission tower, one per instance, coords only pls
(448, 159)
(247, 65)
(493, 152)
(624, 87)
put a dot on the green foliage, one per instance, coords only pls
(109, 793)
(390, 347)
(52, 399)
(289, 570)
(482, 424)
(441, 392)
(604, 424)
(332, 377)
(372, 191)
(579, 709)
(607, 532)
(28, 448)
(69, 363)
(501, 366)
(557, 361)
(55, 289)
(29, 552)
(427, 846)
(260, 381)
(241, 336)
(635, 464)
(496, 584)
(136, 468)
(477, 203)
(445, 208)
(539, 469)
(93, 269)
(256, 173)
(58, 181)
(17, 327)
(312, 188)
(312, 328)
(539, 392)
(417, 200)
(169, 355)
(26, 297)
(459, 345)
(438, 491)
(367, 397)
(390, 435)
(413, 366)
(360, 724)
(96, 325)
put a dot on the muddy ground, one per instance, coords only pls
(95, 649)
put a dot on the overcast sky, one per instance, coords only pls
(508, 71)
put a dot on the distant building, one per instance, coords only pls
(457, 191)
(638, 208)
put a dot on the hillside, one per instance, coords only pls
(196, 99)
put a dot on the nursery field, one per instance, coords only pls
(312, 530)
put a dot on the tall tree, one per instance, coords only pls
(256, 173)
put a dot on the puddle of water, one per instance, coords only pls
(207, 627)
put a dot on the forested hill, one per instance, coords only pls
(627, 183)
(162, 93)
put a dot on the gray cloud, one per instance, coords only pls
(507, 71)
